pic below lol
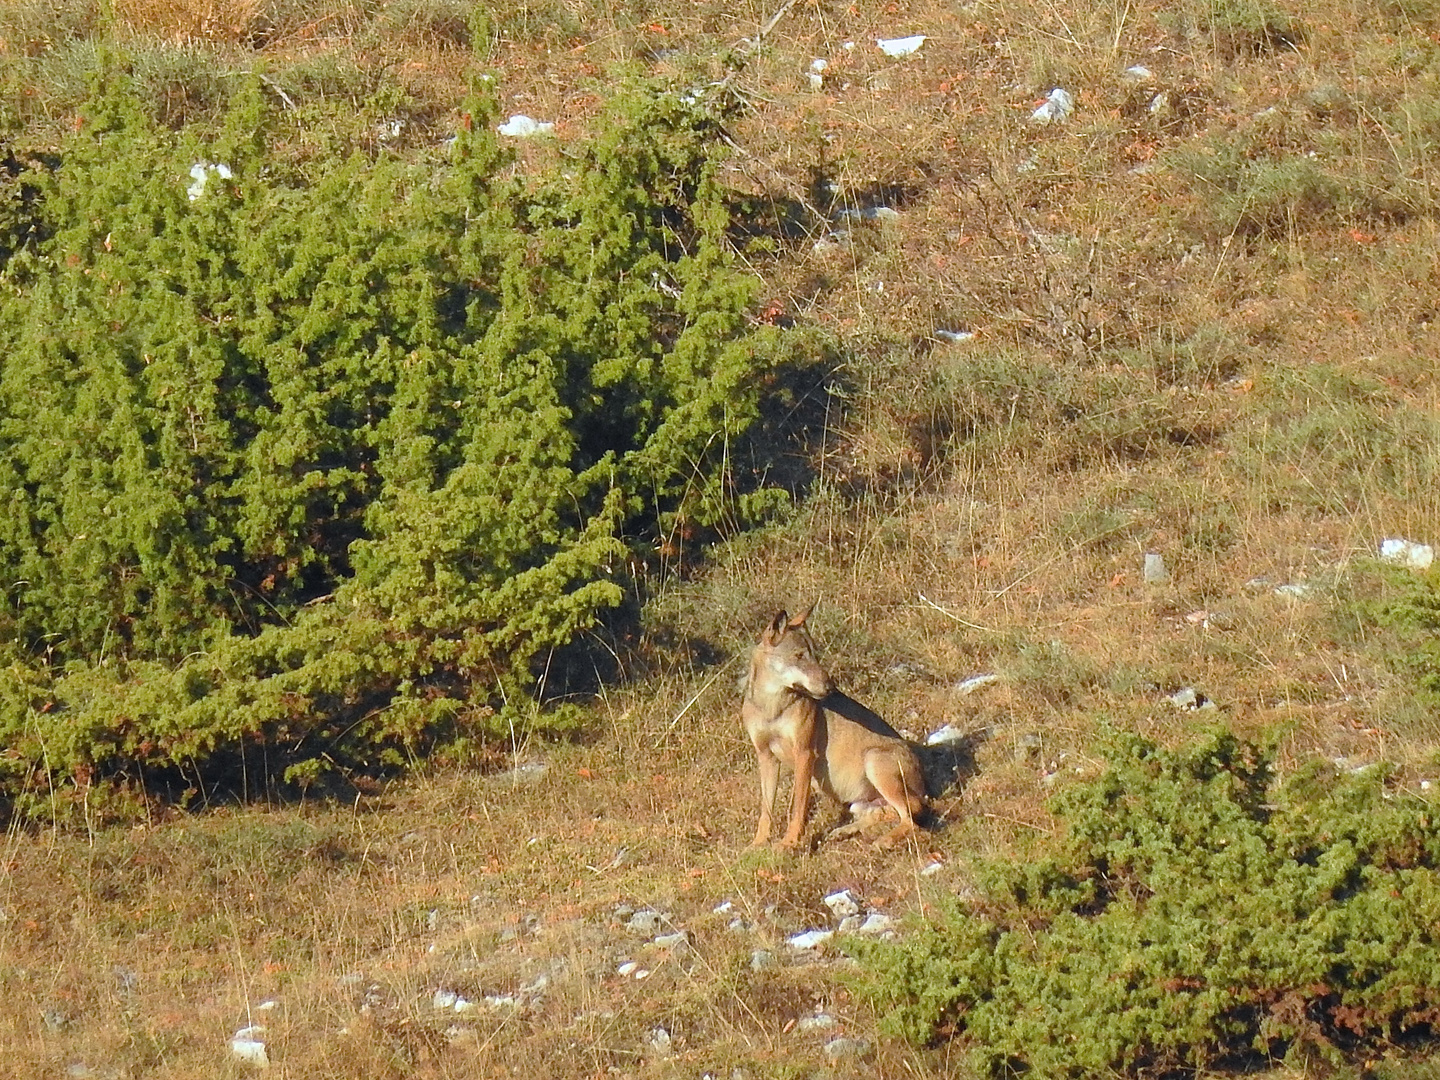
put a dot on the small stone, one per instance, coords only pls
(762, 960)
(525, 772)
(820, 1021)
(646, 921)
(521, 126)
(1407, 553)
(1058, 106)
(897, 47)
(842, 903)
(810, 939)
(975, 682)
(1154, 572)
(1186, 698)
(947, 734)
(844, 1047)
(875, 924)
(671, 941)
(247, 1046)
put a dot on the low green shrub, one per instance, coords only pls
(329, 456)
(1195, 913)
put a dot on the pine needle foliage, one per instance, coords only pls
(1197, 914)
(316, 458)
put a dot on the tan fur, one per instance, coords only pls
(793, 714)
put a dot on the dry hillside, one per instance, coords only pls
(1193, 315)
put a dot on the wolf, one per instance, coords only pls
(794, 714)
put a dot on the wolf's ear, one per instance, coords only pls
(777, 628)
(799, 620)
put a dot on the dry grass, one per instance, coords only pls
(1156, 366)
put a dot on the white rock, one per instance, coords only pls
(627, 969)
(875, 924)
(525, 771)
(246, 1045)
(1138, 73)
(842, 903)
(1296, 591)
(1059, 104)
(200, 173)
(645, 921)
(661, 1042)
(671, 941)
(931, 869)
(1408, 553)
(444, 999)
(465, 1005)
(762, 960)
(975, 682)
(1187, 698)
(810, 939)
(900, 46)
(954, 336)
(843, 1048)
(1154, 571)
(947, 734)
(520, 126)
(723, 908)
(820, 1021)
